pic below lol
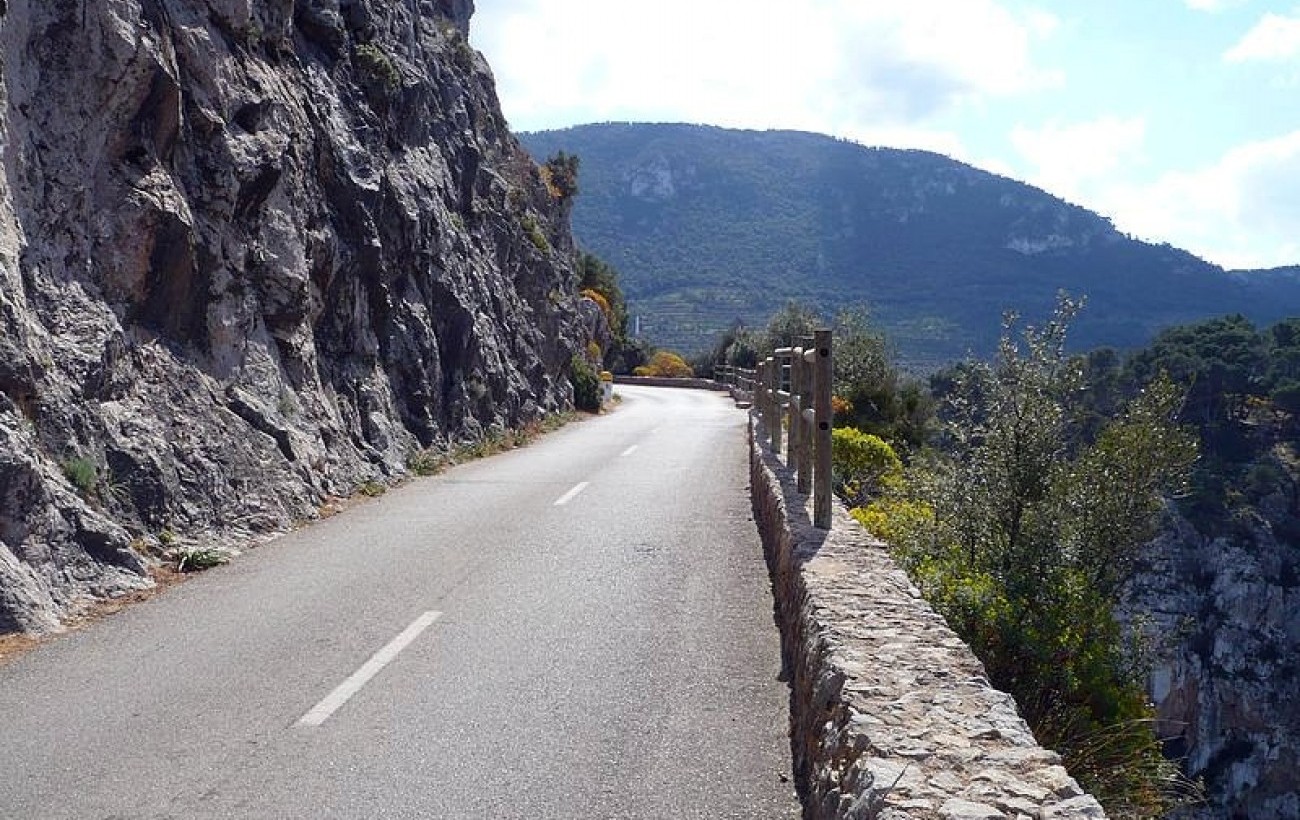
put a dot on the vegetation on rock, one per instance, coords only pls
(586, 385)
(560, 173)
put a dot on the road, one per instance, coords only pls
(581, 628)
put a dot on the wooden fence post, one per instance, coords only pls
(778, 369)
(822, 376)
(793, 417)
(803, 473)
(768, 398)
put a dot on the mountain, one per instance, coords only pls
(709, 225)
(252, 256)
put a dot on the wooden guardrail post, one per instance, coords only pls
(807, 422)
(822, 375)
(779, 358)
(768, 399)
(794, 418)
(774, 402)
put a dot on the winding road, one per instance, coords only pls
(581, 628)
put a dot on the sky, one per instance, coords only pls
(1178, 119)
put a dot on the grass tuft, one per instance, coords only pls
(196, 559)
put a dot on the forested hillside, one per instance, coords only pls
(708, 226)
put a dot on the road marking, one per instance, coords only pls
(571, 494)
(629, 451)
(330, 704)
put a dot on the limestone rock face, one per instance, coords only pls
(252, 254)
(1222, 616)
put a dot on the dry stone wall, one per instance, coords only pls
(892, 716)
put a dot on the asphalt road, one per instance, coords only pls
(581, 628)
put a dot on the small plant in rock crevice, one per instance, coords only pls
(82, 473)
(431, 461)
(529, 223)
(425, 462)
(196, 559)
(377, 67)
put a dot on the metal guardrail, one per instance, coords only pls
(791, 389)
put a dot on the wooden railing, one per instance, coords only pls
(791, 390)
(740, 380)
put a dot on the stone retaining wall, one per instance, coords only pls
(892, 716)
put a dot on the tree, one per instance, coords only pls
(738, 346)
(1222, 360)
(599, 280)
(879, 400)
(596, 275)
(792, 326)
(666, 364)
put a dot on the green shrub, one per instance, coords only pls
(194, 559)
(529, 223)
(894, 519)
(377, 68)
(666, 365)
(862, 465)
(425, 462)
(560, 175)
(586, 385)
(82, 473)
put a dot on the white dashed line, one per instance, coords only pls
(571, 494)
(330, 704)
(629, 451)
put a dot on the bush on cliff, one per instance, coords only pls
(586, 385)
(1021, 531)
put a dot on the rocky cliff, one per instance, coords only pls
(253, 253)
(1221, 613)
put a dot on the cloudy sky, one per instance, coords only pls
(1179, 119)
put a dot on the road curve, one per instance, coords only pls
(581, 628)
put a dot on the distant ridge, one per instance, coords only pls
(708, 226)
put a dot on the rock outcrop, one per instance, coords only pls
(252, 255)
(1221, 616)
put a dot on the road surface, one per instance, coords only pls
(581, 628)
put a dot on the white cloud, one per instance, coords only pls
(1240, 212)
(839, 66)
(1065, 158)
(1274, 38)
(900, 73)
(1212, 5)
